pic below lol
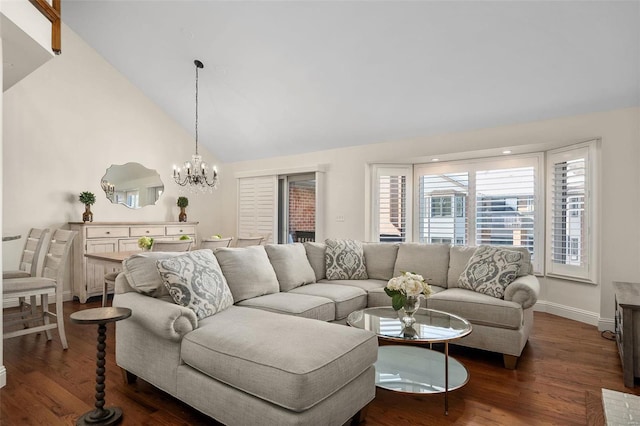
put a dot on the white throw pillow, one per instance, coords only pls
(345, 260)
(490, 270)
(291, 265)
(195, 281)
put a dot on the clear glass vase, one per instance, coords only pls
(411, 305)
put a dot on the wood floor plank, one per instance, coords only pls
(558, 381)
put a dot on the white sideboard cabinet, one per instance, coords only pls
(102, 237)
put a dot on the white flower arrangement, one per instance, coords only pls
(407, 284)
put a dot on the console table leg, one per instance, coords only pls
(101, 416)
(446, 378)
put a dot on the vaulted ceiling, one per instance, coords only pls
(285, 77)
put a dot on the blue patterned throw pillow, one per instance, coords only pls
(345, 260)
(490, 270)
(195, 281)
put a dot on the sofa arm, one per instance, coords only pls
(167, 320)
(523, 290)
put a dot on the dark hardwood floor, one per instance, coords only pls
(563, 366)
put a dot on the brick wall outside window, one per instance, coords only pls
(302, 209)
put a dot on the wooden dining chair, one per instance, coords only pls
(171, 245)
(51, 283)
(28, 266)
(216, 242)
(248, 241)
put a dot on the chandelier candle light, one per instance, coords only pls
(196, 173)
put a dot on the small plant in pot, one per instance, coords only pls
(183, 202)
(87, 198)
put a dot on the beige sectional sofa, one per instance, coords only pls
(276, 356)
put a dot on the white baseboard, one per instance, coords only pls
(605, 324)
(3, 376)
(569, 312)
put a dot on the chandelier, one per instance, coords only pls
(195, 173)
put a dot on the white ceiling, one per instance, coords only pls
(285, 77)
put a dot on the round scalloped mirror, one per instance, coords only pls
(132, 185)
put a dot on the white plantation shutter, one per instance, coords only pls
(482, 202)
(258, 206)
(505, 207)
(570, 213)
(442, 206)
(392, 203)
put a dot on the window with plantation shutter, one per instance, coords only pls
(482, 202)
(258, 206)
(570, 212)
(392, 206)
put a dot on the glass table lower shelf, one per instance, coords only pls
(412, 369)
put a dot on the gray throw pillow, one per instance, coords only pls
(248, 272)
(290, 263)
(142, 273)
(195, 281)
(490, 270)
(345, 260)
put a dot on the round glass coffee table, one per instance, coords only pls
(413, 369)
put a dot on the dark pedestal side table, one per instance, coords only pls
(100, 416)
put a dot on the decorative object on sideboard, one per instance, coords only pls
(145, 243)
(87, 198)
(405, 292)
(182, 202)
(196, 171)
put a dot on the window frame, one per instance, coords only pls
(588, 272)
(471, 166)
(378, 170)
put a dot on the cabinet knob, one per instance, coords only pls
(108, 232)
(180, 230)
(147, 231)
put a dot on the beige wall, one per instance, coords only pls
(347, 191)
(64, 125)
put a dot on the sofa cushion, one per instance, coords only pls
(142, 273)
(429, 260)
(194, 280)
(490, 270)
(346, 298)
(315, 255)
(289, 361)
(478, 308)
(300, 305)
(345, 260)
(248, 272)
(366, 285)
(380, 259)
(291, 265)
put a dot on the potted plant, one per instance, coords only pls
(183, 202)
(87, 198)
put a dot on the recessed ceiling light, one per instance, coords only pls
(435, 159)
(506, 152)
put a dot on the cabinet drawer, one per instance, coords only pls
(146, 231)
(181, 230)
(107, 232)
